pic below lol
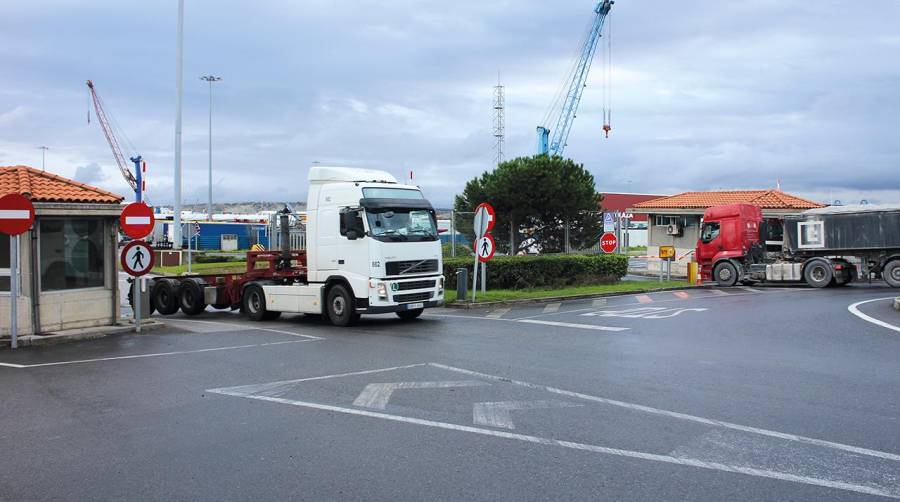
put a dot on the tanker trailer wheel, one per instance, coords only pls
(164, 296)
(190, 297)
(891, 273)
(339, 305)
(255, 304)
(818, 273)
(725, 274)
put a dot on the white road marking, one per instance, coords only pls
(11, 365)
(245, 326)
(598, 302)
(573, 325)
(277, 387)
(854, 309)
(719, 292)
(644, 312)
(716, 466)
(552, 307)
(497, 413)
(752, 290)
(498, 313)
(159, 354)
(377, 395)
(680, 416)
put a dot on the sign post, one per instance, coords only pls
(485, 218)
(137, 259)
(667, 255)
(16, 217)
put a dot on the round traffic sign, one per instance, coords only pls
(485, 217)
(137, 258)
(16, 214)
(137, 220)
(609, 242)
(485, 248)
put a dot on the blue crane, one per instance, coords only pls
(574, 87)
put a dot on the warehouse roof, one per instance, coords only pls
(765, 199)
(41, 186)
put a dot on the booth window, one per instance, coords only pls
(71, 254)
(4, 262)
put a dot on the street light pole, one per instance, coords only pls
(210, 79)
(43, 150)
(179, 85)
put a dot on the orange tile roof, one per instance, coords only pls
(765, 199)
(42, 186)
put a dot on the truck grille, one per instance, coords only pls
(411, 267)
(406, 286)
(413, 297)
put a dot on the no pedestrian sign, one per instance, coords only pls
(16, 214)
(485, 248)
(137, 220)
(137, 258)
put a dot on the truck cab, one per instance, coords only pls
(728, 234)
(372, 247)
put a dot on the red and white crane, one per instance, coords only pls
(135, 180)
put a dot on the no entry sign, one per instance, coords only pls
(485, 217)
(137, 258)
(485, 248)
(16, 214)
(609, 242)
(137, 220)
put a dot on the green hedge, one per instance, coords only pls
(543, 271)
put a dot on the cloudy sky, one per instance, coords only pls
(706, 94)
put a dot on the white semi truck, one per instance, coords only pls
(372, 247)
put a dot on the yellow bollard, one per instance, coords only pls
(692, 272)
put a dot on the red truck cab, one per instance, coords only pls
(728, 232)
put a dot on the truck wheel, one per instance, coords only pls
(131, 299)
(340, 306)
(164, 296)
(255, 304)
(818, 273)
(891, 273)
(409, 315)
(725, 274)
(190, 297)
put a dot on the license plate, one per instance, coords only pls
(413, 306)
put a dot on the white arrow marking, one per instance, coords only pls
(497, 414)
(137, 220)
(377, 395)
(14, 214)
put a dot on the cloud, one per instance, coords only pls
(90, 174)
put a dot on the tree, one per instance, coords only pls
(536, 197)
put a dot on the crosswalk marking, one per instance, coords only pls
(498, 313)
(644, 299)
(552, 307)
(598, 302)
(682, 294)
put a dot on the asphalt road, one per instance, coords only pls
(709, 394)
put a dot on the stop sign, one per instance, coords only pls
(16, 214)
(609, 242)
(137, 220)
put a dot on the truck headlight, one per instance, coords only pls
(382, 290)
(441, 283)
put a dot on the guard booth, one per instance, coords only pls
(68, 261)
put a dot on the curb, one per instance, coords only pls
(551, 299)
(897, 303)
(80, 334)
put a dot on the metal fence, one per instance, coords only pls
(297, 233)
(581, 235)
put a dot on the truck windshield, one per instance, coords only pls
(402, 225)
